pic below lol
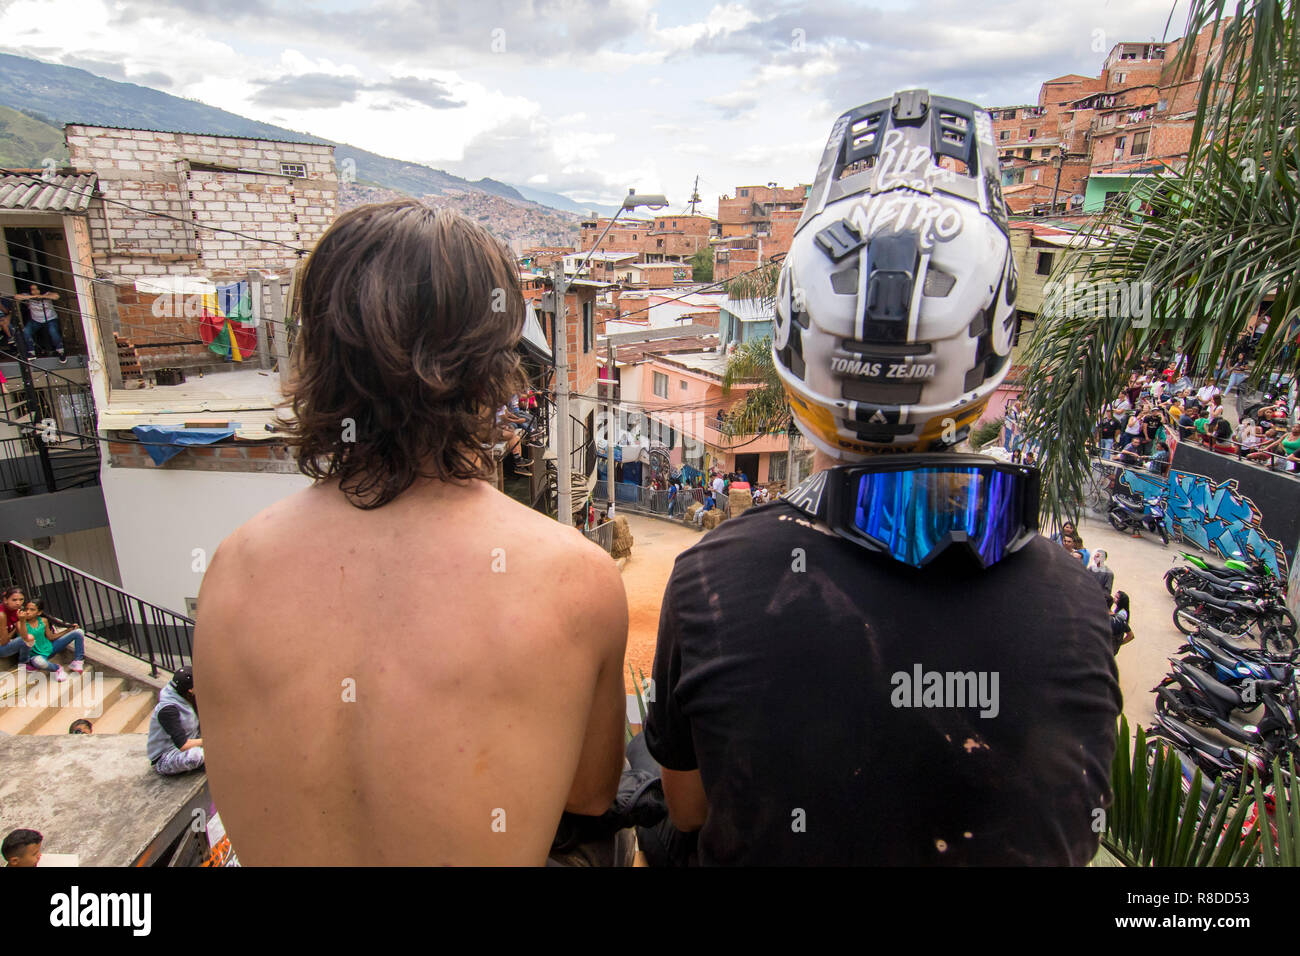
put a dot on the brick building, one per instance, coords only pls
(755, 225)
(177, 214)
(1133, 118)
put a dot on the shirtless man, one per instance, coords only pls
(457, 657)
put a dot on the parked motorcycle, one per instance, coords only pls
(1263, 716)
(1229, 664)
(1273, 620)
(1127, 514)
(1252, 573)
(1199, 750)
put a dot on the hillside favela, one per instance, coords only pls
(638, 434)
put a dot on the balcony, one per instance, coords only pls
(752, 443)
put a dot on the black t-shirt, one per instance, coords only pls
(1108, 429)
(782, 651)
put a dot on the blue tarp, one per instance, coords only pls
(163, 443)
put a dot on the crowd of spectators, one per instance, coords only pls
(1161, 406)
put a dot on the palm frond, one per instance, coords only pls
(1208, 243)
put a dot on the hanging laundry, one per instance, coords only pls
(227, 327)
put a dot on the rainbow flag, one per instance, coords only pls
(227, 326)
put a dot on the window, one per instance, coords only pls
(588, 328)
(685, 386)
(1035, 175)
(1033, 133)
(1004, 135)
(661, 384)
(1119, 142)
(1044, 267)
(1009, 114)
(1139, 144)
(744, 192)
(297, 170)
(1162, 105)
(1121, 77)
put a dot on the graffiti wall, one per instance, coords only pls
(1226, 507)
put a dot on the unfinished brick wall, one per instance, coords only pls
(151, 321)
(142, 172)
(235, 456)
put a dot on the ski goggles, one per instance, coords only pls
(914, 507)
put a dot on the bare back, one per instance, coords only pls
(431, 682)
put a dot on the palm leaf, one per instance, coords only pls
(1152, 823)
(1210, 241)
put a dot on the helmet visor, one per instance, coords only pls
(916, 514)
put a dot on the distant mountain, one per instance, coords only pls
(55, 95)
(557, 201)
(26, 142)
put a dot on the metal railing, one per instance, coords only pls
(602, 534)
(57, 446)
(639, 499)
(159, 637)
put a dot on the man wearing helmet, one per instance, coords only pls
(906, 673)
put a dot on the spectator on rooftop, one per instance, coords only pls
(1159, 460)
(81, 726)
(45, 640)
(173, 745)
(1107, 430)
(43, 320)
(15, 638)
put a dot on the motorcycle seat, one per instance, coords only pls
(1199, 738)
(1212, 687)
(1225, 604)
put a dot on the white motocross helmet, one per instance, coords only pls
(895, 310)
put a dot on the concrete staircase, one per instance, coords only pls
(35, 704)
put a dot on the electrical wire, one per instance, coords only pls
(160, 215)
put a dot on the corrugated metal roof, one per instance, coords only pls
(38, 193)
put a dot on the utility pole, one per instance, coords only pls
(1060, 163)
(563, 464)
(695, 196)
(611, 429)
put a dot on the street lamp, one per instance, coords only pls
(560, 283)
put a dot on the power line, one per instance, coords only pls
(159, 215)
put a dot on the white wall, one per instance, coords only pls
(159, 517)
(90, 551)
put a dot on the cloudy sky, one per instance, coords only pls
(582, 97)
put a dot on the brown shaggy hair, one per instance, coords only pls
(409, 318)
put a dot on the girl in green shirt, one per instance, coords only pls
(46, 640)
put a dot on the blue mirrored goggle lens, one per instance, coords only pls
(915, 514)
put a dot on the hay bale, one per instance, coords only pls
(739, 503)
(712, 519)
(692, 509)
(622, 547)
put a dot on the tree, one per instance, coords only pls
(764, 408)
(1216, 240)
(702, 265)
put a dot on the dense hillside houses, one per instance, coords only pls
(1089, 138)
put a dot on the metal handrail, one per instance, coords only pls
(156, 635)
